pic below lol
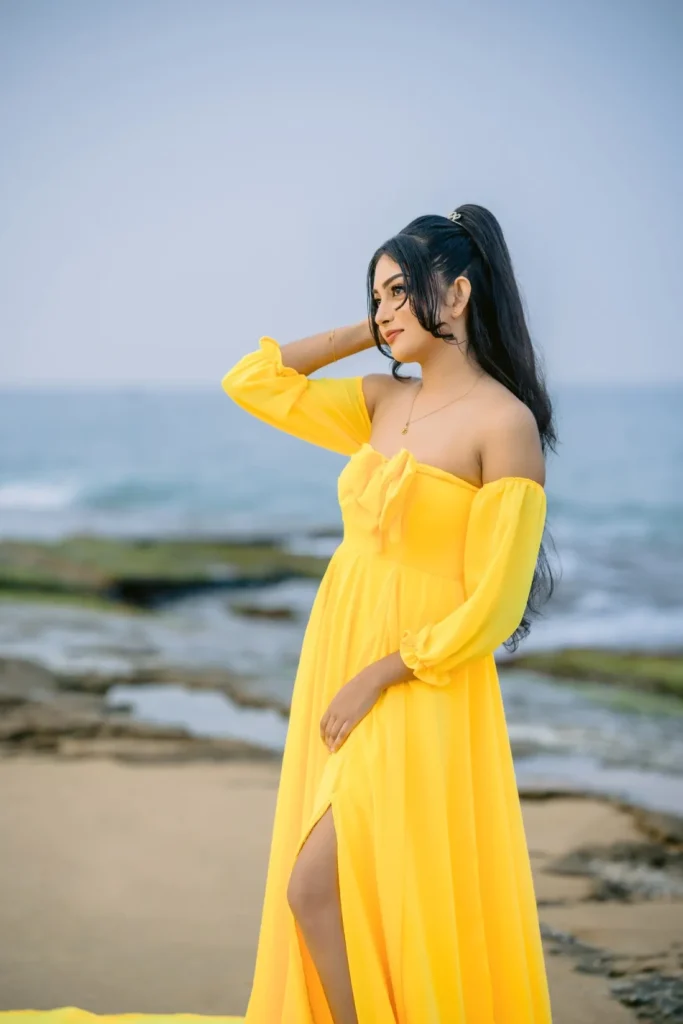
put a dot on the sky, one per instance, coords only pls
(178, 179)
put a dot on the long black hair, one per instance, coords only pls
(432, 251)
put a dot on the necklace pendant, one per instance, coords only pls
(405, 429)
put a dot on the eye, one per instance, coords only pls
(375, 300)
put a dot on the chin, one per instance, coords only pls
(402, 350)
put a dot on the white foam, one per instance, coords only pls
(36, 497)
(641, 627)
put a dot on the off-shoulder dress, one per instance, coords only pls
(437, 896)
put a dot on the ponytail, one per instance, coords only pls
(432, 251)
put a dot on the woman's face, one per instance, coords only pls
(393, 312)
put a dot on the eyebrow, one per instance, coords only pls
(389, 279)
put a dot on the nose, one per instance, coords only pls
(383, 313)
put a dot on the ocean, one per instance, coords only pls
(179, 463)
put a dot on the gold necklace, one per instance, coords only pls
(410, 420)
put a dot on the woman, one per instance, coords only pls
(399, 887)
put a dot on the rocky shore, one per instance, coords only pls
(647, 671)
(182, 937)
(87, 615)
(609, 876)
(145, 574)
(46, 712)
(614, 907)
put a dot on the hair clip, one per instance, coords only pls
(455, 215)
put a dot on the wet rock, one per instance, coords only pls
(215, 680)
(665, 827)
(255, 611)
(589, 959)
(69, 732)
(22, 680)
(626, 871)
(66, 716)
(147, 573)
(657, 997)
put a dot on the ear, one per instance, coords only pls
(458, 296)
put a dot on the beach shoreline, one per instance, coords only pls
(138, 888)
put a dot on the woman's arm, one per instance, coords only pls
(502, 544)
(310, 354)
(274, 384)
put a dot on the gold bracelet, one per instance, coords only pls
(334, 351)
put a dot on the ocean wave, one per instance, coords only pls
(643, 626)
(24, 496)
(34, 496)
(134, 494)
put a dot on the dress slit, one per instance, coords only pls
(318, 1003)
(368, 960)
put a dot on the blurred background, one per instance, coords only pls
(180, 179)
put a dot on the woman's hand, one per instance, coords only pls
(359, 695)
(349, 705)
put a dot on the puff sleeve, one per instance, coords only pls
(326, 411)
(502, 543)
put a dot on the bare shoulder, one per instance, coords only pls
(377, 387)
(510, 439)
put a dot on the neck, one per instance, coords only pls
(447, 369)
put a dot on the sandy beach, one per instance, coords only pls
(130, 887)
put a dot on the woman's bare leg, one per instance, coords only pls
(313, 895)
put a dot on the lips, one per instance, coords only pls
(391, 335)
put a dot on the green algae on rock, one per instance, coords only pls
(651, 671)
(146, 572)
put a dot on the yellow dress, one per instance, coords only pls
(436, 891)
